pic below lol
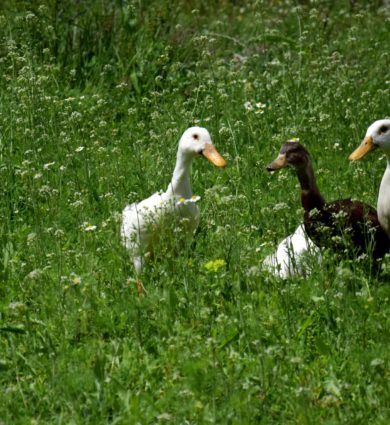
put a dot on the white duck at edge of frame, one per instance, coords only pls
(378, 136)
(141, 221)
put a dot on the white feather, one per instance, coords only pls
(142, 222)
(291, 258)
(381, 138)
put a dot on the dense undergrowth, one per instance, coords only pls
(94, 97)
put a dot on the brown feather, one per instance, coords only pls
(347, 225)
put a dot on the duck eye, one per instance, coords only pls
(195, 136)
(383, 129)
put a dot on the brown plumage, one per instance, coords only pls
(347, 226)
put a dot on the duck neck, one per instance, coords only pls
(180, 185)
(310, 195)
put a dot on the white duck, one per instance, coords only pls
(378, 135)
(292, 255)
(143, 222)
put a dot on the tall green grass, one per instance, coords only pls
(94, 97)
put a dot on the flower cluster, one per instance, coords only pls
(88, 227)
(215, 265)
(193, 200)
(257, 107)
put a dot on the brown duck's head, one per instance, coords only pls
(291, 153)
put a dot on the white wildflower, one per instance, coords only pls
(48, 165)
(193, 200)
(248, 106)
(88, 227)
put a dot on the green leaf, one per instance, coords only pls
(13, 330)
(308, 322)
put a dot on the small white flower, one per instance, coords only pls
(30, 16)
(75, 279)
(193, 200)
(35, 274)
(88, 227)
(79, 149)
(248, 106)
(75, 116)
(280, 207)
(16, 305)
(48, 165)
(340, 215)
(337, 239)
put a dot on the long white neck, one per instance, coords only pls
(383, 205)
(180, 185)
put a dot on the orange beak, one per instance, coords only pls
(366, 146)
(213, 156)
(278, 163)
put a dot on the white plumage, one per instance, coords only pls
(144, 223)
(292, 255)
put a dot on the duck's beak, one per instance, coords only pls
(278, 163)
(213, 156)
(366, 146)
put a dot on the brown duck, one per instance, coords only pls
(346, 226)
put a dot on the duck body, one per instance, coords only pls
(345, 226)
(161, 220)
(145, 224)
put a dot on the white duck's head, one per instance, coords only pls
(197, 141)
(377, 135)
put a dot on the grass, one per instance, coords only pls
(94, 97)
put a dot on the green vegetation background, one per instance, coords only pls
(94, 97)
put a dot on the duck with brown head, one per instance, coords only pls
(346, 226)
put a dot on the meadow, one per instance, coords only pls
(94, 98)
